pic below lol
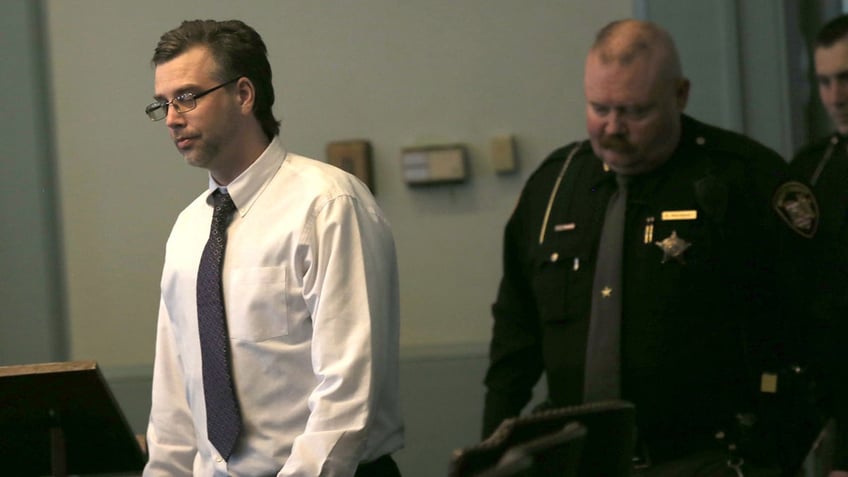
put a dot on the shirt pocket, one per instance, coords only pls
(557, 284)
(256, 305)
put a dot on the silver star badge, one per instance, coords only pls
(673, 247)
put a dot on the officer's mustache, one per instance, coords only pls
(617, 144)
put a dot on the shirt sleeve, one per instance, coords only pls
(349, 276)
(170, 431)
(515, 360)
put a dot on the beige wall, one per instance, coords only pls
(395, 73)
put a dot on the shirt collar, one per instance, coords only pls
(248, 186)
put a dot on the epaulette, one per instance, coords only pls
(726, 143)
(818, 146)
(559, 155)
(562, 153)
(793, 201)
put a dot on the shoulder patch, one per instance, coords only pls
(795, 203)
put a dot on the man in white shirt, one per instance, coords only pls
(308, 283)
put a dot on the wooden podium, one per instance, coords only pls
(61, 418)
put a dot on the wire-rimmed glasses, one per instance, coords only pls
(182, 103)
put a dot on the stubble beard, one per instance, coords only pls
(202, 154)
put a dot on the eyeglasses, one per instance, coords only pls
(182, 103)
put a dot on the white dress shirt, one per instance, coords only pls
(311, 296)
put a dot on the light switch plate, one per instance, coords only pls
(503, 153)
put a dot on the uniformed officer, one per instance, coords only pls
(644, 264)
(824, 164)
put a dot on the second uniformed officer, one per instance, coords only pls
(644, 264)
(824, 163)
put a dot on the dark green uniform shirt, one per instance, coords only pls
(824, 164)
(697, 328)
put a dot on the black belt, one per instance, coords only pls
(651, 452)
(700, 448)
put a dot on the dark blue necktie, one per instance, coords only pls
(223, 419)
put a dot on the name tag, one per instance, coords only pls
(679, 215)
(768, 383)
(564, 227)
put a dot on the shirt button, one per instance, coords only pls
(219, 459)
(554, 257)
(700, 140)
